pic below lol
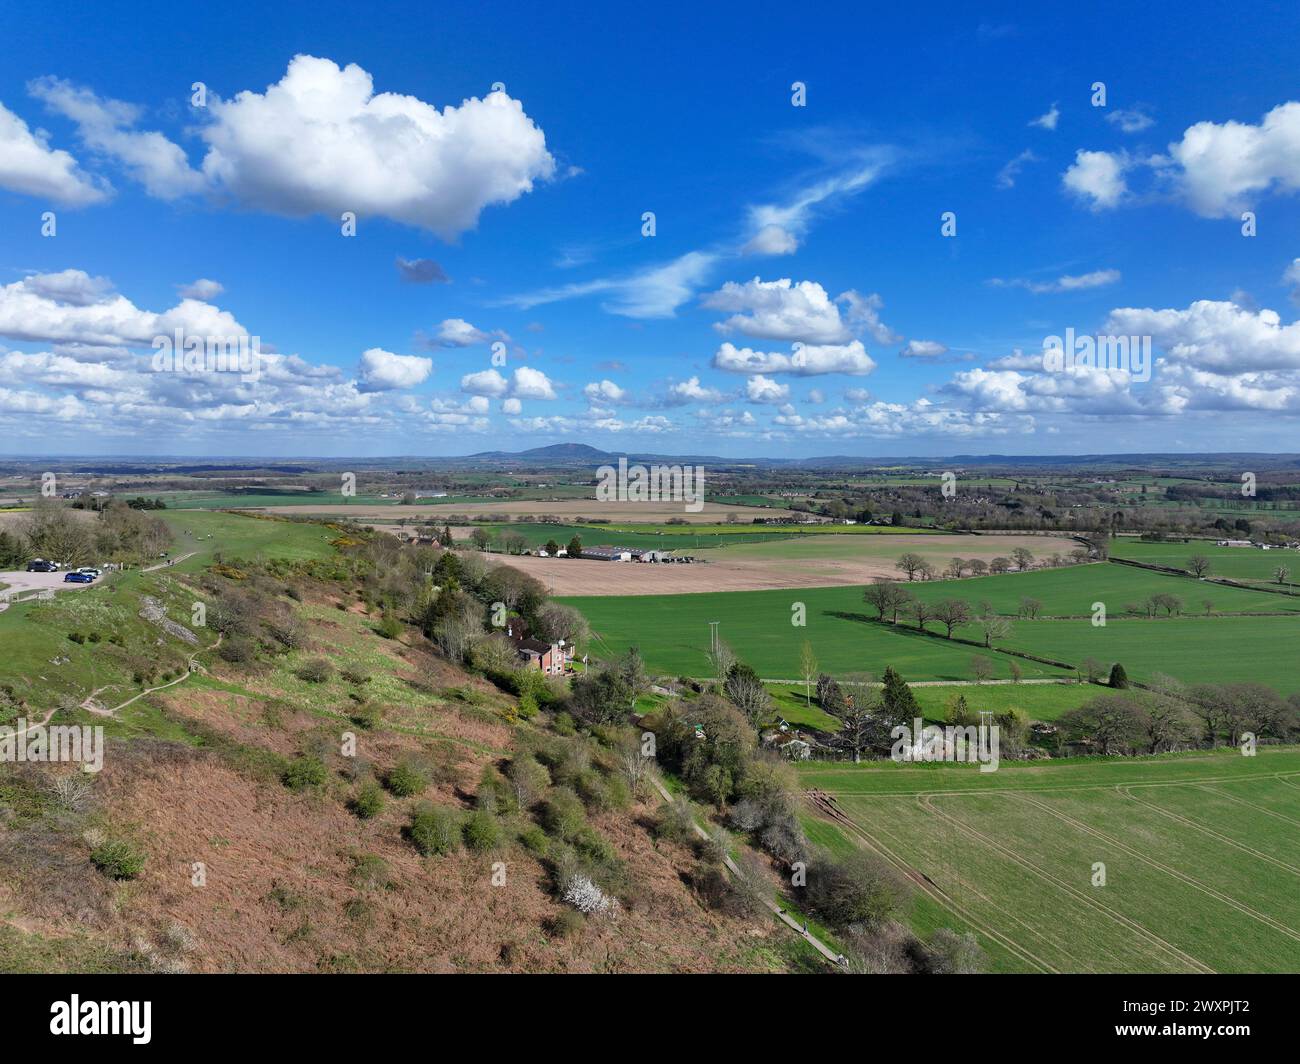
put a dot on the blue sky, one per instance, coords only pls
(775, 225)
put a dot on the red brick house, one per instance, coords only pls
(551, 658)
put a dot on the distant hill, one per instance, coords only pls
(561, 451)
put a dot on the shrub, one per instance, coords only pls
(355, 674)
(369, 872)
(389, 626)
(369, 800)
(482, 831)
(434, 830)
(316, 670)
(567, 923)
(534, 840)
(674, 821)
(367, 716)
(564, 725)
(563, 814)
(406, 779)
(236, 651)
(857, 889)
(117, 859)
(585, 896)
(304, 772)
(527, 708)
(77, 637)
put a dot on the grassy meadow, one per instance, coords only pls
(1199, 858)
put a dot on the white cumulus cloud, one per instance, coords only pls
(382, 370)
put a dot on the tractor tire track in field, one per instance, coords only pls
(1168, 870)
(1085, 965)
(1132, 925)
(961, 910)
(1052, 789)
(1179, 818)
(1249, 805)
(828, 807)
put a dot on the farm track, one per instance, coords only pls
(732, 868)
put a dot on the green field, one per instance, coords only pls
(818, 541)
(1234, 563)
(747, 530)
(1192, 649)
(672, 632)
(41, 662)
(537, 534)
(1200, 852)
(1071, 591)
(208, 534)
(1038, 701)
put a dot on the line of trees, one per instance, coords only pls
(117, 534)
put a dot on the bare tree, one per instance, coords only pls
(807, 669)
(1198, 565)
(1281, 573)
(746, 692)
(1023, 558)
(993, 626)
(887, 597)
(910, 564)
(859, 727)
(951, 613)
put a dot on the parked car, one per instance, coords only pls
(78, 578)
(90, 570)
(40, 565)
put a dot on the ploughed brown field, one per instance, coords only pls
(813, 561)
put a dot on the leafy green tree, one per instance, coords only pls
(897, 701)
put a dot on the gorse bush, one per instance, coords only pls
(304, 772)
(406, 779)
(482, 831)
(369, 800)
(434, 831)
(563, 814)
(117, 859)
(315, 670)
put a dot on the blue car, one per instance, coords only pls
(78, 578)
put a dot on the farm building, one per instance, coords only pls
(607, 554)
